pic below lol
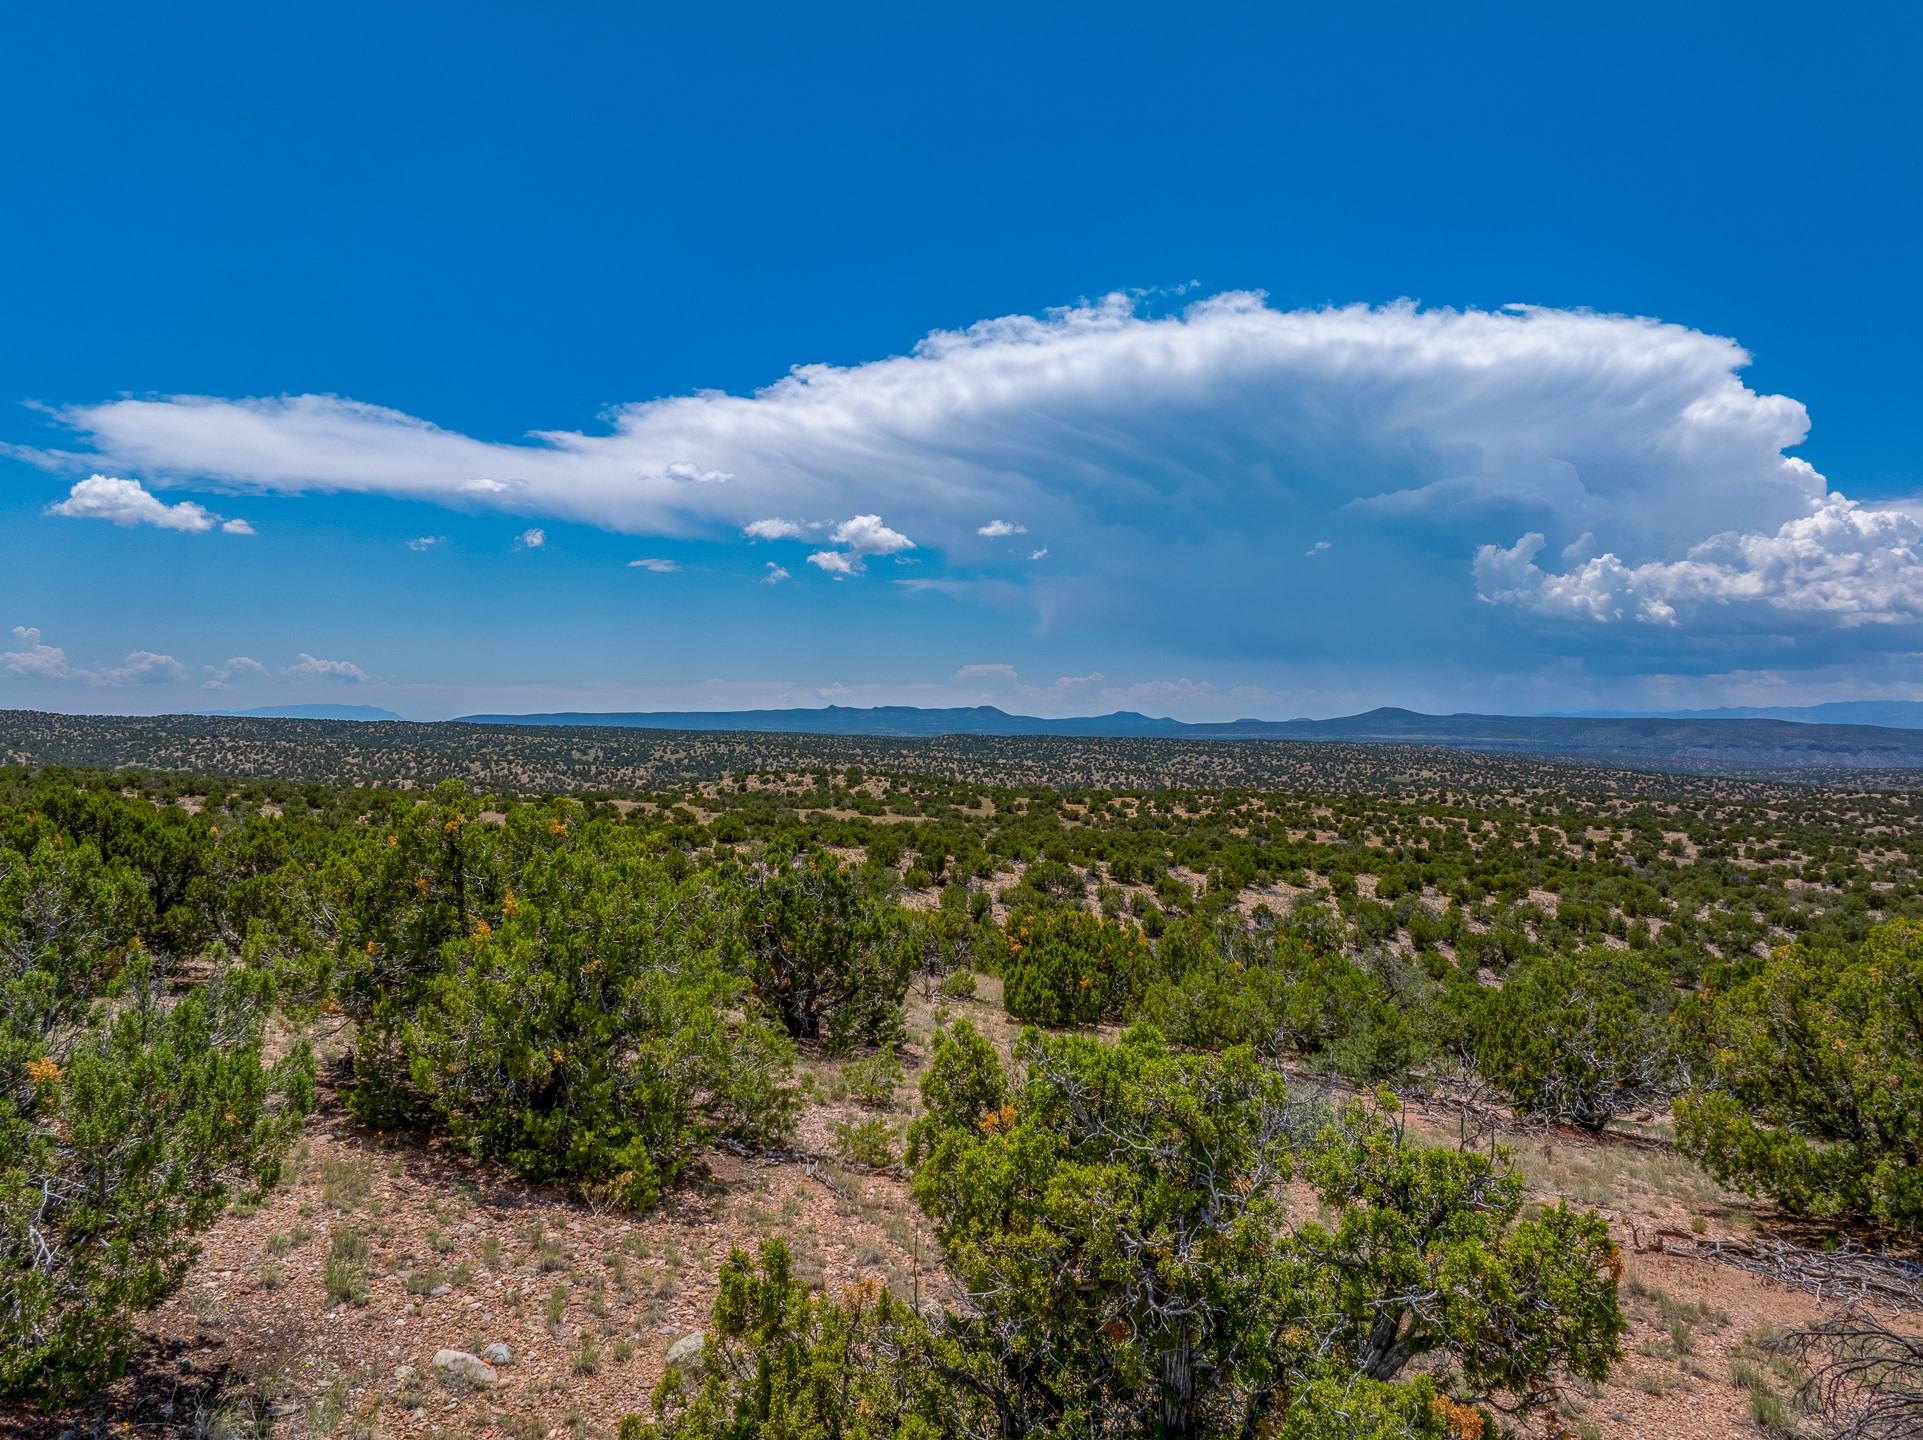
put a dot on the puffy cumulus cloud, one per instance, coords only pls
(996, 529)
(532, 539)
(312, 667)
(1184, 452)
(36, 660)
(143, 667)
(240, 667)
(128, 503)
(1841, 563)
(776, 574)
(864, 535)
(837, 563)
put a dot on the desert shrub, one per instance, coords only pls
(1815, 1090)
(963, 1085)
(1121, 1220)
(1067, 967)
(1123, 1217)
(874, 1079)
(942, 942)
(1579, 1039)
(959, 985)
(1119, 1217)
(782, 1359)
(884, 847)
(827, 954)
(127, 1119)
(594, 1031)
(866, 1142)
(167, 852)
(415, 877)
(1233, 984)
(1046, 881)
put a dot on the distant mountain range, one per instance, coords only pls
(312, 712)
(1717, 738)
(1858, 734)
(1385, 723)
(1897, 714)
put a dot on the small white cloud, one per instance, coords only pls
(1005, 673)
(222, 675)
(776, 574)
(127, 503)
(312, 667)
(1066, 689)
(426, 542)
(482, 487)
(38, 661)
(531, 539)
(863, 535)
(143, 667)
(1581, 548)
(1317, 548)
(996, 529)
(866, 535)
(34, 660)
(1041, 554)
(774, 528)
(659, 567)
(837, 563)
(687, 474)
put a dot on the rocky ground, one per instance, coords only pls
(320, 1312)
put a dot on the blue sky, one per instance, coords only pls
(1061, 357)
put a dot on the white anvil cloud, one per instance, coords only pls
(1135, 449)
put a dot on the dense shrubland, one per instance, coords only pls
(131, 1106)
(591, 993)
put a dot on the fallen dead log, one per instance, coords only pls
(1850, 1272)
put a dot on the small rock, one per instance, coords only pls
(440, 1290)
(404, 1373)
(689, 1354)
(471, 1368)
(498, 1354)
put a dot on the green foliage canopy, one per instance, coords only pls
(1815, 1096)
